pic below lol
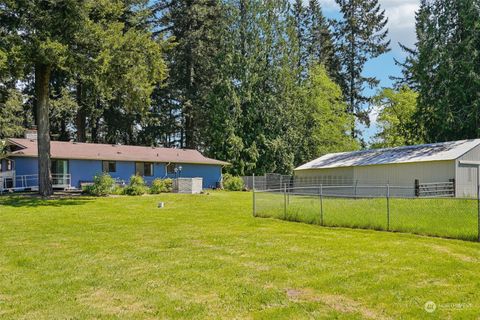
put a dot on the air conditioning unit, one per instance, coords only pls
(188, 185)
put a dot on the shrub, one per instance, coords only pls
(232, 183)
(118, 190)
(102, 185)
(161, 185)
(136, 187)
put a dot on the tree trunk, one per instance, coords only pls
(42, 80)
(189, 108)
(80, 119)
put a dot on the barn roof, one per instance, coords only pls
(418, 153)
(114, 152)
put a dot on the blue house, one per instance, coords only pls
(74, 163)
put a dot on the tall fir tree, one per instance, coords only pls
(443, 67)
(360, 35)
(195, 29)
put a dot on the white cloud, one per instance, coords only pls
(401, 19)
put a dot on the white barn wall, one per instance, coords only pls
(466, 176)
(401, 174)
(342, 173)
(377, 176)
(404, 174)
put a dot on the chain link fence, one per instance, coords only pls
(379, 207)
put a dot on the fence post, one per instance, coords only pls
(288, 189)
(355, 191)
(285, 202)
(253, 189)
(388, 207)
(321, 204)
(478, 205)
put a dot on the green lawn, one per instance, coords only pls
(451, 217)
(205, 256)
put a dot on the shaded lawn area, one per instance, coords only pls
(205, 256)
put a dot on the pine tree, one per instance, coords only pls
(194, 26)
(360, 35)
(443, 68)
(320, 43)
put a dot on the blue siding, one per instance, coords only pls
(125, 169)
(85, 170)
(25, 166)
(211, 174)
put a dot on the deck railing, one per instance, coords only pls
(30, 182)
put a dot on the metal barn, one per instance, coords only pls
(454, 164)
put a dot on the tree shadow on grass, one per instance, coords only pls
(36, 201)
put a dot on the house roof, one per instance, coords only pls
(419, 153)
(95, 151)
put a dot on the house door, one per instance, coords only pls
(60, 172)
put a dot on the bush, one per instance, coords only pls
(136, 187)
(161, 185)
(103, 185)
(232, 183)
(118, 190)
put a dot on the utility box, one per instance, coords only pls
(188, 185)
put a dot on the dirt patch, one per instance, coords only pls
(448, 251)
(336, 302)
(113, 303)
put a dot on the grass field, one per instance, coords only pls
(451, 218)
(205, 256)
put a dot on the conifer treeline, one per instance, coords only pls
(265, 85)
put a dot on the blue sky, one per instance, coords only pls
(401, 26)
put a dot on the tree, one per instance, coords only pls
(126, 62)
(320, 42)
(44, 31)
(396, 118)
(11, 119)
(443, 67)
(3, 149)
(328, 122)
(361, 35)
(195, 27)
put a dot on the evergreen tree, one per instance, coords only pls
(195, 28)
(11, 114)
(320, 43)
(443, 67)
(361, 35)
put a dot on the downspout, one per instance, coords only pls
(166, 170)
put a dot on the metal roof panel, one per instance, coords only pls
(408, 154)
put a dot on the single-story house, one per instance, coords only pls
(454, 164)
(80, 162)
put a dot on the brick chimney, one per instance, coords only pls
(31, 134)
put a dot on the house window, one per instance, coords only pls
(109, 166)
(60, 167)
(144, 169)
(5, 165)
(171, 168)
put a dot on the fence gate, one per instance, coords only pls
(435, 189)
